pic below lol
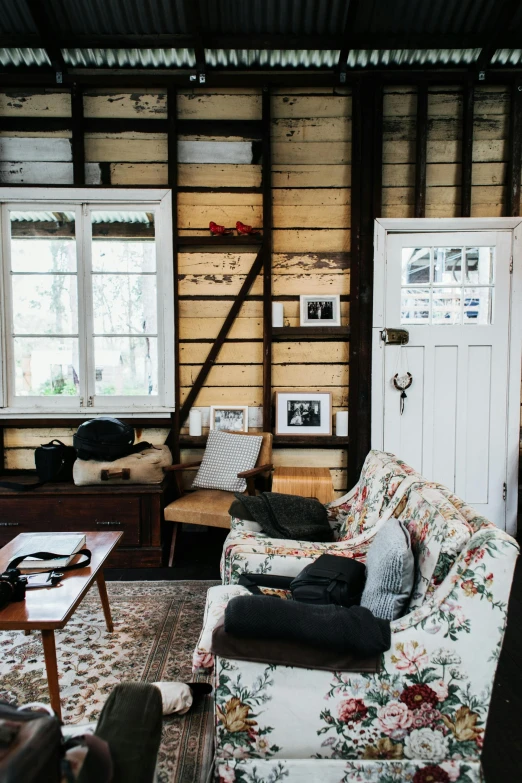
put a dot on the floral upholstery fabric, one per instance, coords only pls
(355, 519)
(421, 718)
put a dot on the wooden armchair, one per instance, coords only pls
(210, 506)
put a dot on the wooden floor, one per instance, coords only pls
(197, 557)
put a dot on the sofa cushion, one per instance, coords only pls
(225, 456)
(390, 571)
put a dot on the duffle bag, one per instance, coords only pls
(331, 579)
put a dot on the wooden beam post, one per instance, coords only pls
(267, 258)
(172, 174)
(47, 32)
(209, 362)
(366, 187)
(78, 135)
(515, 151)
(421, 146)
(467, 149)
(348, 39)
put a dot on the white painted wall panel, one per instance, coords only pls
(445, 411)
(478, 412)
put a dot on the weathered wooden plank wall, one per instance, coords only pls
(311, 178)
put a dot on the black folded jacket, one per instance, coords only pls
(288, 516)
(353, 630)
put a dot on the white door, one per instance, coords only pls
(451, 292)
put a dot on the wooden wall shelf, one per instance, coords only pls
(289, 333)
(256, 240)
(324, 441)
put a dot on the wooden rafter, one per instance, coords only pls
(421, 146)
(501, 17)
(467, 149)
(196, 32)
(47, 34)
(348, 39)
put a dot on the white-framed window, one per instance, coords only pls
(86, 295)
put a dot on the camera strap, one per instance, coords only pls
(52, 556)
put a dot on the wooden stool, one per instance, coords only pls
(306, 482)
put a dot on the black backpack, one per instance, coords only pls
(331, 579)
(106, 439)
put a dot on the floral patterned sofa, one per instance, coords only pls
(422, 718)
(355, 518)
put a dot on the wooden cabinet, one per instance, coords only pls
(136, 511)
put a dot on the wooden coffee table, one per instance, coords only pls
(47, 610)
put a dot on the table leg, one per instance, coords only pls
(102, 588)
(52, 670)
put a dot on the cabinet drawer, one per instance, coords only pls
(70, 514)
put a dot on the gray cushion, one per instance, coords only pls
(390, 571)
(225, 456)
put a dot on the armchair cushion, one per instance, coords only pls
(225, 456)
(204, 507)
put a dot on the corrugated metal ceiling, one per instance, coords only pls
(455, 23)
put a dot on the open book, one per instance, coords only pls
(58, 543)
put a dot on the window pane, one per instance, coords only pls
(479, 265)
(124, 304)
(415, 305)
(477, 305)
(447, 265)
(126, 365)
(123, 242)
(446, 307)
(46, 366)
(45, 304)
(415, 265)
(43, 242)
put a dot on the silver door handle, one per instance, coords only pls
(395, 336)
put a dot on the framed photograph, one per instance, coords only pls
(229, 417)
(320, 310)
(303, 413)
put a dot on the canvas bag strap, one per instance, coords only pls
(51, 555)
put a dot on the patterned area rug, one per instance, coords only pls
(156, 626)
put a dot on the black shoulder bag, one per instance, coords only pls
(331, 579)
(53, 461)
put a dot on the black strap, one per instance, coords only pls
(21, 487)
(52, 556)
(251, 582)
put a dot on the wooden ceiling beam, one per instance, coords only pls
(39, 11)
(195, 27)
(500, 20)
(348, 39)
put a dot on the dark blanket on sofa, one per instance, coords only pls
(289, 516)
(342, 629)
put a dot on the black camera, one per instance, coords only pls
(12, 587)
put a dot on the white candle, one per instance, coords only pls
(341, 424)
(194, 422)
(277, 314)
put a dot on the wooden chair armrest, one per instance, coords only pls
(255, 471)
(182, 466)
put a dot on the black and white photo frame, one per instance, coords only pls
(320, 310)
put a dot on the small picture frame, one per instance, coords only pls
(320, 310)
(303, 413)
(233, 418)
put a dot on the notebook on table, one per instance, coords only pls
(65, 544)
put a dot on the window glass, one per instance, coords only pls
(447, 285)
(125, 312)
(44, 290)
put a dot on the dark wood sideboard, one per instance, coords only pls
(135, 510)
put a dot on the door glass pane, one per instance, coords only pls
(479, 265)
(46, 366)
(44, 295)
(447, 265)
(477, 305)
(415, 305)
(125, 309)
(126, 365)
(446, 307)
(416, 265)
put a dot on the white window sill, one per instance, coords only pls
(82, 413)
